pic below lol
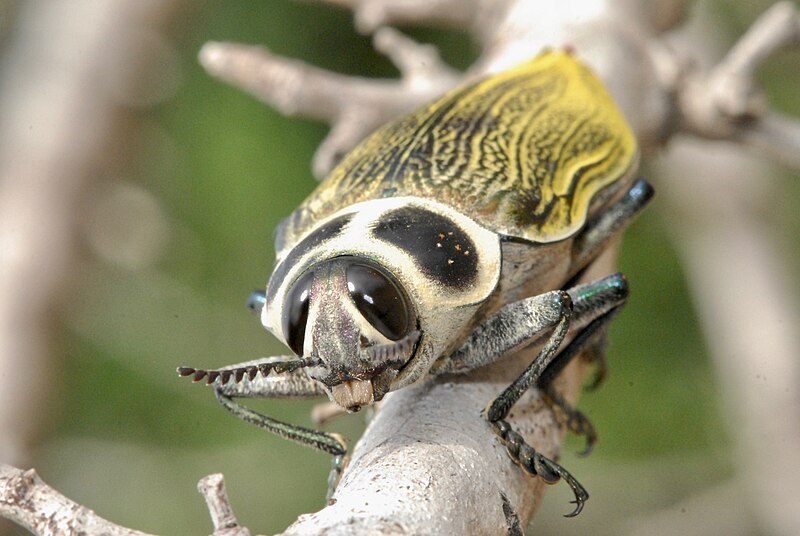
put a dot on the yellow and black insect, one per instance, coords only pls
(435, 245)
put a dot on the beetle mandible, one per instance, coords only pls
(435, 245)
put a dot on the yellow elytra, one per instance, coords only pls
(523, 153)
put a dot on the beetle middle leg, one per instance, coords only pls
(588, 307)
(596, 303)
(291, 381)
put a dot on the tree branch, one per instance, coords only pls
(353, 106)
(725, 103)
(45, 168)
(27, 500)
(212, 488)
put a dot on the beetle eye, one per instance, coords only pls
(295, 313)
(379, 300)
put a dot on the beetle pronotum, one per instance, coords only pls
(435, 246)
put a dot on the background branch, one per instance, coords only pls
(25, 498)
(54, 146)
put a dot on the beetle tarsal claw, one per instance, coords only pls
(353, 393)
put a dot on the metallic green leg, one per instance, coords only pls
(331, 443)
(575, 420)
(591, 338)
(595, 303)
(274, 378)
(598, 232)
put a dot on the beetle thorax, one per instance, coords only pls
(378, 291)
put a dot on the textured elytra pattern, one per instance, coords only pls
(522, 153)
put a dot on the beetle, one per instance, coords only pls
(434, 248)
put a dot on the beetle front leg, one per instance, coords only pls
(588, 307)
(333, 444)
(253, 380)
(524, 322)
(600, 231)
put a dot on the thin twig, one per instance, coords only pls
(353, 106)
(27, 500)
(212, 488)
(373, 14)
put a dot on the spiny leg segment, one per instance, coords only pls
(291, 381)
(237, 373)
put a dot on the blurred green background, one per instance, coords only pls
(211, 174)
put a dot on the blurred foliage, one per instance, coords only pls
(224, 170)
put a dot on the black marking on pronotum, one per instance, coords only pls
(238, 373)
(440, 248)
(512, 519)
(314, 239)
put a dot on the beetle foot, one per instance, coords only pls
(600, 371)
(337, 467)
(536, 464)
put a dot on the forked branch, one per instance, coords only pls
(725, 103)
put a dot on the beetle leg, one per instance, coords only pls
(326, 442)
(244, 381)
(536, 464)
(576, 421)
(591, 338)
(599, 231)
(593, 304)
(513, 326)
(525, 321)
(333, 444)
(589, 308)
(597, 356)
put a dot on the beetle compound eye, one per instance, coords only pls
(295, 313)
(379, 299)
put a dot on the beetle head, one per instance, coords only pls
(356, 318)
(378, 291)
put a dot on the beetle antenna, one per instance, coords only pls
(390, 352)
(238, 373)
